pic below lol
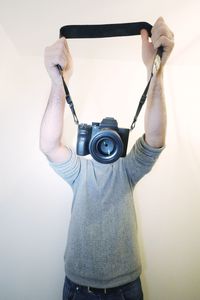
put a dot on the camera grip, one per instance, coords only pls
(84, 134)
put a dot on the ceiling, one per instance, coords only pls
(32, 25)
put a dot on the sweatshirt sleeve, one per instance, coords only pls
(69, 170)
(140, 160)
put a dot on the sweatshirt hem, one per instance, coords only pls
(107, 283)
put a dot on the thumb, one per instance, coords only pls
(145, 37)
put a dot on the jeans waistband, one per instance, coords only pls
(94, 290)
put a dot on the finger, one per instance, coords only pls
(61, 44)
(58, 60)
(67, 54)
(62, 52)
(165, 42)
(65, 44)
(59, 53)
(146, 44)
(161, 28)
(159, 20)
(161, 31)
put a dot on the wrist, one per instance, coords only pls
(158, 75)
(156, 86)
(57, 83)
(57, 89)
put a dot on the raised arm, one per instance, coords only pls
(155, 114)
(52, 123)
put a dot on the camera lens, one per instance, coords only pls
(106, 146)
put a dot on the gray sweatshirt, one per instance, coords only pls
(102, 248)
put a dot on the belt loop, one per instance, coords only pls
(104, 291)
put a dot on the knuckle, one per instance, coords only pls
(163, 38)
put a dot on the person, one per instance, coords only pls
(102, 256)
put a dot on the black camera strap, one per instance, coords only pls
(154, 70)
(103, 31)
(68, 97)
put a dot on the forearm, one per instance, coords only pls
(52, 123)
(155, 114)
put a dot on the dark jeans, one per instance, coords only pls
(130, 291)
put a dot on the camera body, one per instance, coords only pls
(104, 141)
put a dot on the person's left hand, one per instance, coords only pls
(161, 36)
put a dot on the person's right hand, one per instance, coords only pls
(58, 54)
(161, 36)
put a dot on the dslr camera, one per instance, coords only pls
(104, 141)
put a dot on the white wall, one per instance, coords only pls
(35, 204)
